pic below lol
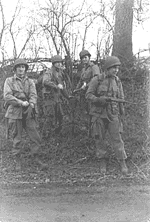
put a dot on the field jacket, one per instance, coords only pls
(109, 87)
(51, 78)
(15, 91)
(88, 73)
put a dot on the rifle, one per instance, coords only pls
(111, 99)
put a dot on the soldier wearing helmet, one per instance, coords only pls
(54, 87)
(20, 101)
(19, 62)
(57, 59)
(88, 71)
(106, 113)
(111, 61)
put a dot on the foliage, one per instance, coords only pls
(73, 139)
(69, 155)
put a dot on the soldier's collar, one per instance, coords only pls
(23, 79)
(88, 64)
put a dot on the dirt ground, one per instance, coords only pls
(36, 203)
(75, 193)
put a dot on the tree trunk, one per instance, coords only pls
(122, 37)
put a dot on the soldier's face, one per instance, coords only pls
(113, 71)
(85, 59)
(20, 70)
(58, 64)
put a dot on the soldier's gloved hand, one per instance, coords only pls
(60, 86)
(100, 101)
(25, 103)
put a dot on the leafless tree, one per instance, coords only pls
(15, 30)
(59, 23)
(64, 27)
(2, 30)
(2, 22)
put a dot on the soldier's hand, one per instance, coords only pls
(107, 99)
(60, 86)
(25, 103)
(100, 101)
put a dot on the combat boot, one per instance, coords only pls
(124, 168)
(103, 165)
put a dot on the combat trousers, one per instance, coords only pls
(99, 128)
(16, 127)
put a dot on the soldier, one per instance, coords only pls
(53, 89)
(105, 114)
(20, 101)
(88, 71)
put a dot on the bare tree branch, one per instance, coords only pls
(30, 33)
(16, 13)
(3, 22)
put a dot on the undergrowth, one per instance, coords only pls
(73, 145)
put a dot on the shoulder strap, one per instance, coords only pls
(117, 80)
(100, 78)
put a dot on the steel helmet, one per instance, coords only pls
(84, 53)
(20, 62)
(56, 58)
(111, 61)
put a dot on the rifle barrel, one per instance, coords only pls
(121, 101)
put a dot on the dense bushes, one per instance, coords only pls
(73, 141)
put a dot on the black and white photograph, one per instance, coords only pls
(74, 111)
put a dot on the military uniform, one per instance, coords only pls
(16, 90)
(52, 96)
(20, 98)
(106, 117)
(88, 73)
